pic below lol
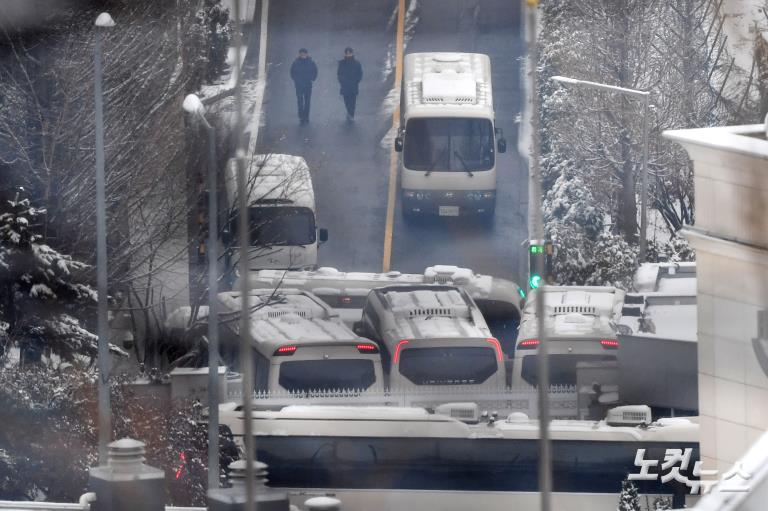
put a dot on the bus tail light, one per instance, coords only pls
(528, 344)
(497, 346)
(367, 348)
(285, 351)
(399, 348)
(609, 344)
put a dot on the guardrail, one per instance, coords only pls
(562, 398)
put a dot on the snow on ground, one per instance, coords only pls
(392, 99)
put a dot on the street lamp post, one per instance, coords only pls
(644, 96)
(103, 21)
(194, 106)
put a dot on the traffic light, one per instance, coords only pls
(535, 264)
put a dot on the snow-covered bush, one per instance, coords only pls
(628, 498)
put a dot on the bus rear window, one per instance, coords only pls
(448, 366)
(562, 368)
(324, 375)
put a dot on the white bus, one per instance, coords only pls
(432, 336)
(281, 212)
(384, 458)
(300, 344)
(448, 135)
(581, 323)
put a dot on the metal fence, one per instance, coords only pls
(563, 403)
(84, 504)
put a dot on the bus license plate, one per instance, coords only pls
(448, 211)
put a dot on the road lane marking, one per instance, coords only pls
(392, 190)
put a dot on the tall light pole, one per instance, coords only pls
(194, 106)
(536, 236)
(103, 21)
(643, 96)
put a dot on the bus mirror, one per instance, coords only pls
(502, 145)
(323, 235)
(399, 144)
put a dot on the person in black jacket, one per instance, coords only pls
(303, 73)
(350, 73)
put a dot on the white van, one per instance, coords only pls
(448, 135)
(581, 324)
(300, 344)
(281, 207)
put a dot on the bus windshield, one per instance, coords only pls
(280, 225)
(448, 145)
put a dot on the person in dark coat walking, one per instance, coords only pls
(303, 73)
(350, 73)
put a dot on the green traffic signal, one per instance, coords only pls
(536, 249)
(534, 281)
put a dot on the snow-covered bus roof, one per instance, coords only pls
(362, 421)
(574, 311)
(330, 281)
(289, 316)
(447, 85)
(426, 312)
(273, 180)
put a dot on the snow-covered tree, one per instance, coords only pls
(628, 498)
(661, 504)
(49, 437)
(157, 53)
(214, 17)
(591, 140)
(44, 298)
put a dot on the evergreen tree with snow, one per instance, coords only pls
(214, 18)
(628, 498)
(43, 296)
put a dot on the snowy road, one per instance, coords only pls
(349, 161)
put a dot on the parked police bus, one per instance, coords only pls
(500, 300)
(448, 135)
(299, 344)
(581, 324)
(384, 458)
(432, 336)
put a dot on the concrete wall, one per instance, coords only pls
(731, 242)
